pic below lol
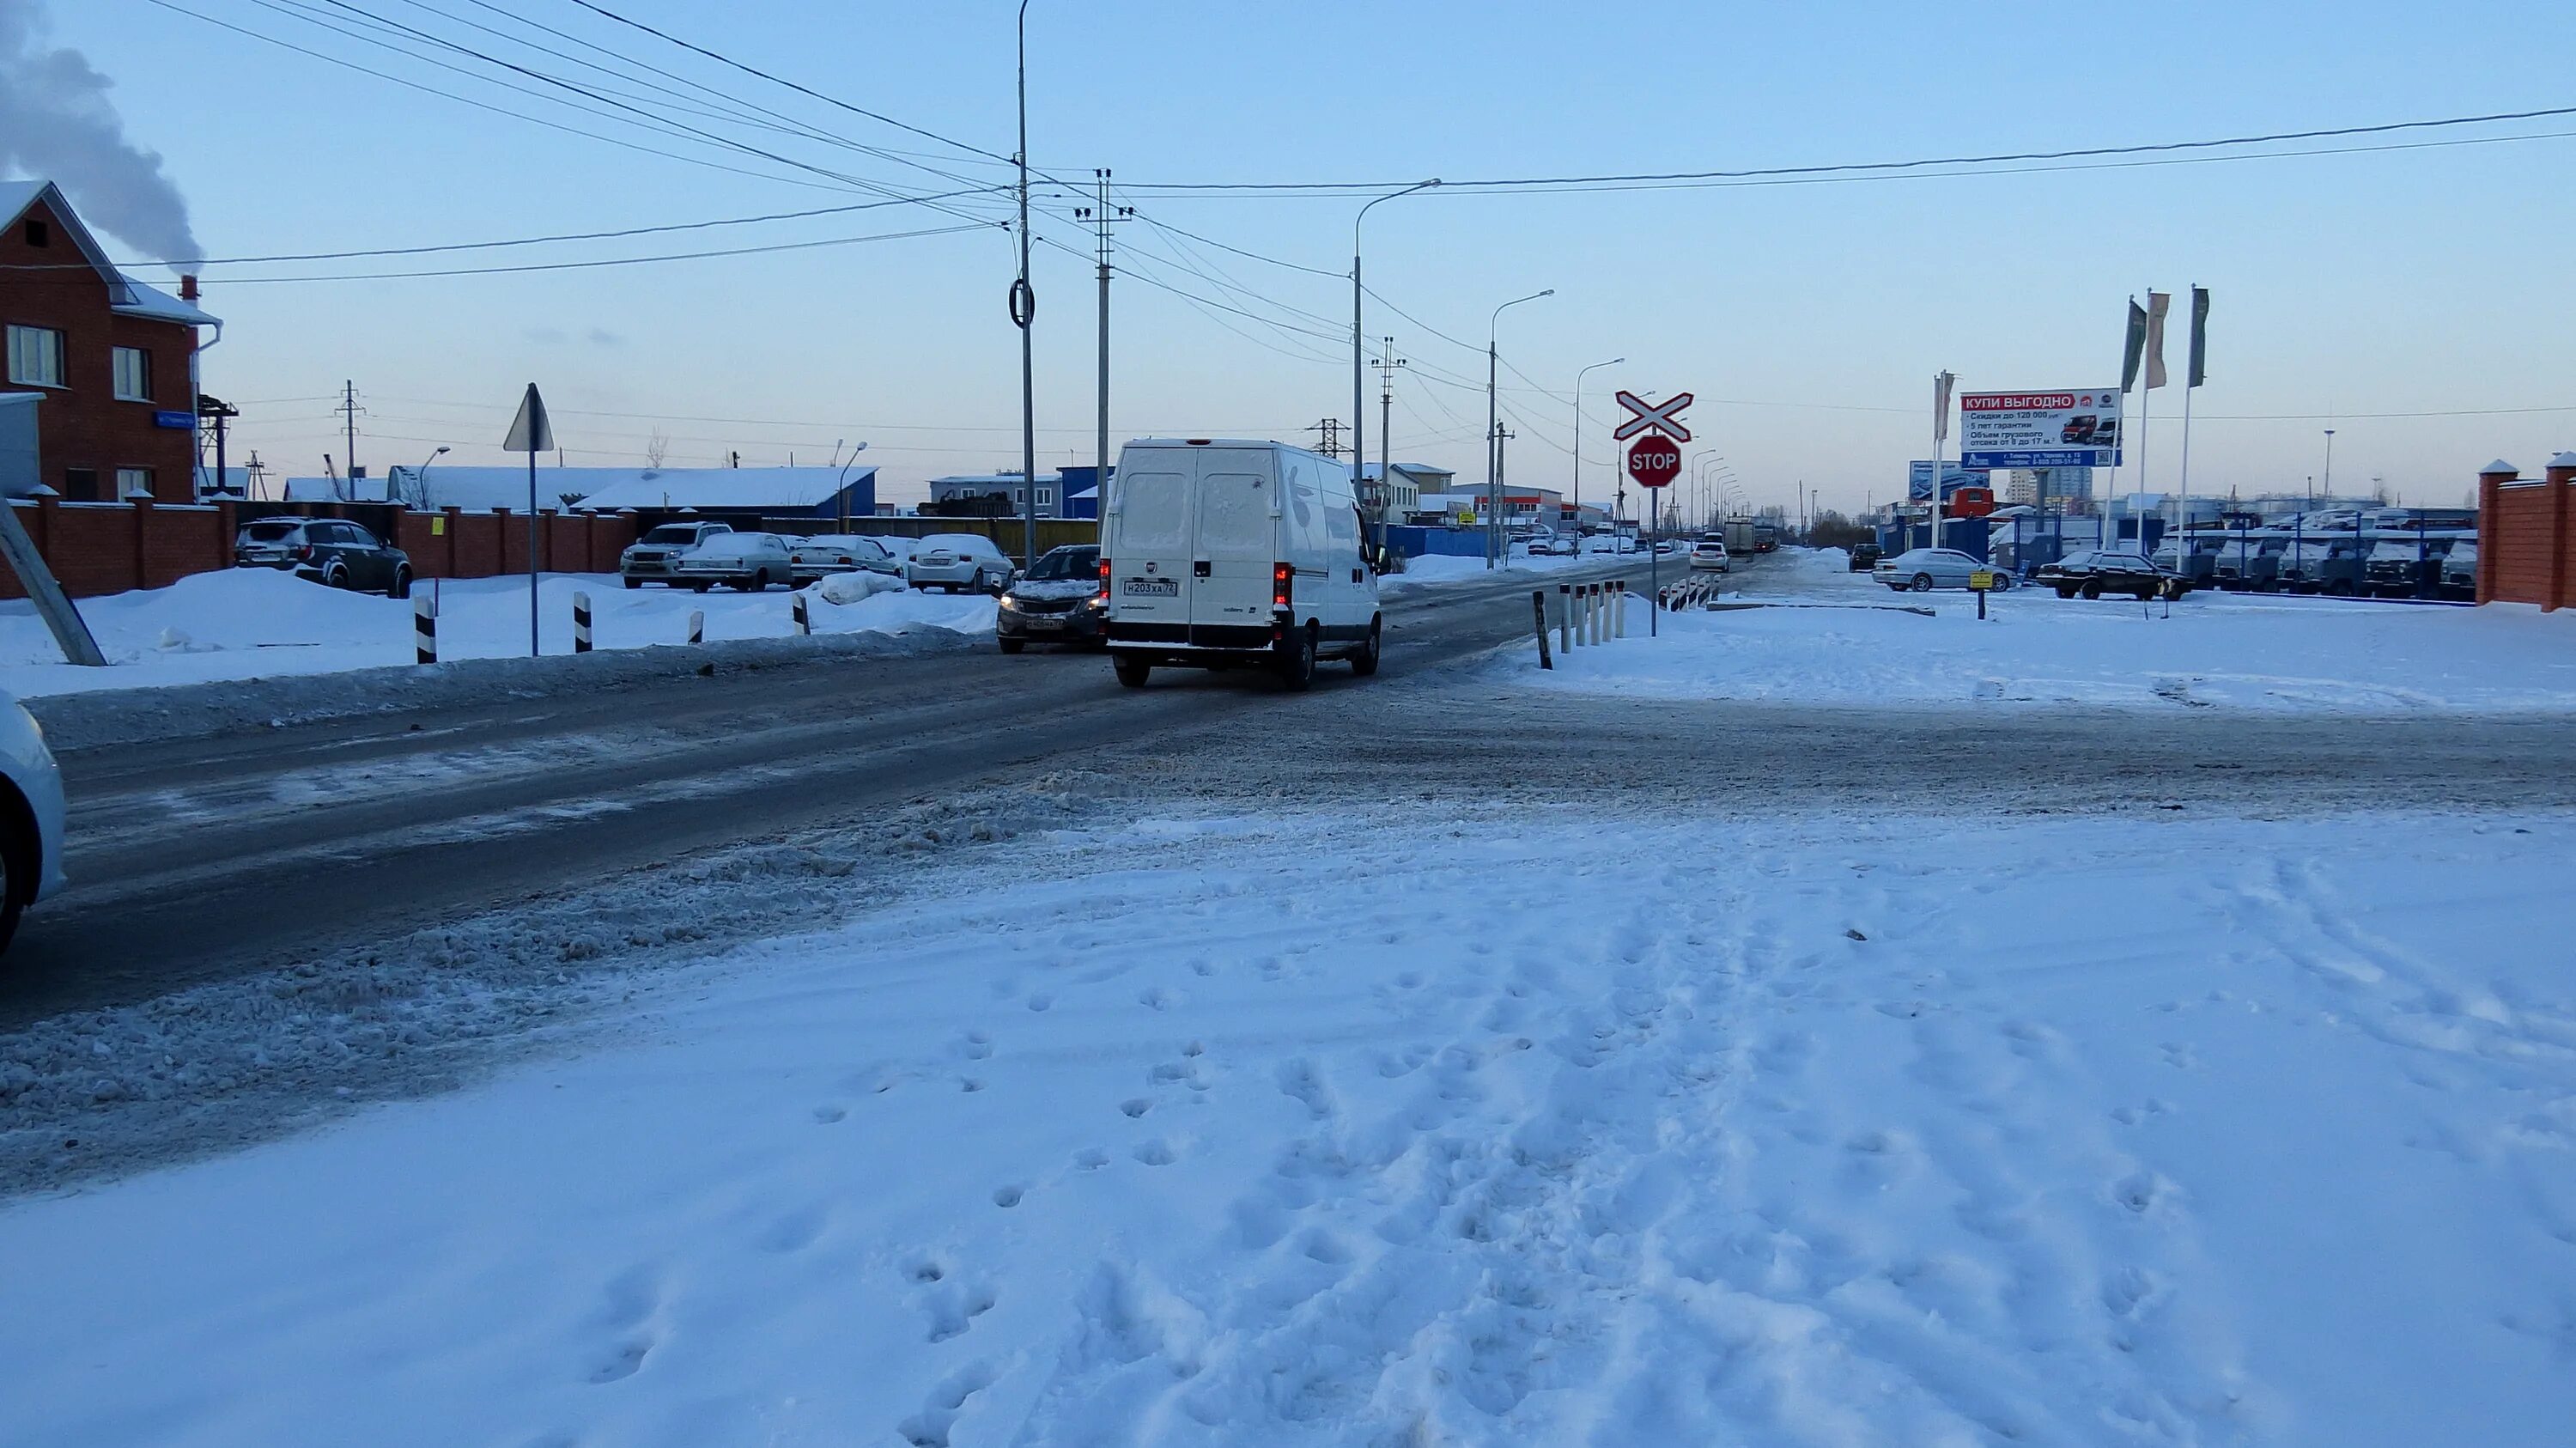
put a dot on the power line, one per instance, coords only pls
(1762, 172)
(549, 266)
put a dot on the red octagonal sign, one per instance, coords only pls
(1654, 461)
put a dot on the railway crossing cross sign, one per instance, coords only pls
(1663, 417)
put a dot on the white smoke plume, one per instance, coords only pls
(56, 124)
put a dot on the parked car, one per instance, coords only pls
(1709, 555)
(2093, 572)
(1923, 569)
(1552, 545)
(31, 816)
(2401, 568)
(1236, 554)
(1611, 543)
(824, 554)
(2460, 570)
(1059, 600)
(2250, 563)
(957, 560)
(651, 558)
(748, 561)
(329, 551)
(1865, 556)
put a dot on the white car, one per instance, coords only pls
(958, 560)
(1710, 555)
(31, 816)
(1924, 569)
(748, 561)
(828, 553)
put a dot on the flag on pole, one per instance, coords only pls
(2157, 302)
(2199, 336)
(2137, 346)
(1941, 405)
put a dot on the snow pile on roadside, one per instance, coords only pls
(246, 623)
(1432, 570)
(2216, 650)
(1811, 1129)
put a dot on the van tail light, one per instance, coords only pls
(1283, 584)
(1104, 580)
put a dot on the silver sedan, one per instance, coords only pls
(1923, 569)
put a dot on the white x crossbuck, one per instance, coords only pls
(1654, 416)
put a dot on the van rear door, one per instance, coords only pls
(1150, 557)
(1233, 545)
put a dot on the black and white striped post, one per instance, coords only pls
(697, 626)
(1564, 617)
(581, 623)
(803, 622)
(424, 629)
(1538, 612)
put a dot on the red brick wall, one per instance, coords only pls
(81, 424)
(2527, 539)
(101, 548)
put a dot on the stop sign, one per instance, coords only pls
(1654, 461)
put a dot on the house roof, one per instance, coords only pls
(608, 489)
(126, 296)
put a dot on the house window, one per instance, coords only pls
(133, 368)
(1046, 497)
(134, 482)
(1019, 495)
(80, 485)
(35, 356)
(38, 234)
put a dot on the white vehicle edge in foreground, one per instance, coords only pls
(31, 816)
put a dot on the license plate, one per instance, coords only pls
(1042, 624)
(1154, 588)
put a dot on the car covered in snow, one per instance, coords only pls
(824, 554)
(1921, 570)
(333, 552)
(654, 558)
(747, 561)
(2460, 569)
(2093, 572)
(31, 816)
(1058, 601)
(956, 561)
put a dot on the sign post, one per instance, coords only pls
(1654, 461)
(531, 433)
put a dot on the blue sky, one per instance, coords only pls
(1808, 318)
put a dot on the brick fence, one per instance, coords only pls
(2527, 535)
(100, 548)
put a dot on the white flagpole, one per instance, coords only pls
(2190, 384)
(2146, 401)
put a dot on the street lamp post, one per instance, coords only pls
(841, 490)
(1359, 392)
(1494, 432)
(420, 475)
(1578, 447)
(1024, 312)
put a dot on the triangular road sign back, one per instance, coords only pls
(530, 432)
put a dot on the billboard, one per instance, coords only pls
(1918, 479)
(2078, 427)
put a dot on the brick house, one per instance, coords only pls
(115, 360)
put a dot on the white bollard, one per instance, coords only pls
(1564, 618)
(424, 629)
(581, 623)
(697, 626)
(1618, 608)
(1592, 612)
(804, 624)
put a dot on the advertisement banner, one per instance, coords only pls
(1918, 479)
(2075, 428)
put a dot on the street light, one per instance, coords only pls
(1494, 433)
(420, 475)
(1359, 393)
(841, 489)
(1578, 442)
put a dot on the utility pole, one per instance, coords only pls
(1501, 533)
(1024, 308)
(1100, 215)
(348, 410)
(1330, 430)
(1387, 362)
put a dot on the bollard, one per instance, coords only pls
(1538, 609)
(424, 629)
(802, 623)
(1592, 612)
(1564, 618)
(1618, 608)
(581, 623)
(697, 626)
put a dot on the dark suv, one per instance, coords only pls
(332, 551)
(1865, 556)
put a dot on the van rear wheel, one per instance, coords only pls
(1364, 663)
(1297, 659)
(1133, 669)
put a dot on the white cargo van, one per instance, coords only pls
(1220, 554)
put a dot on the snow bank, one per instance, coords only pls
(1432, 570)
(1859, 647)
(247, 623)
(1817, 1129)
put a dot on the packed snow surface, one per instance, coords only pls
(1826, 637)
(1815, 1129)
(243, 623)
